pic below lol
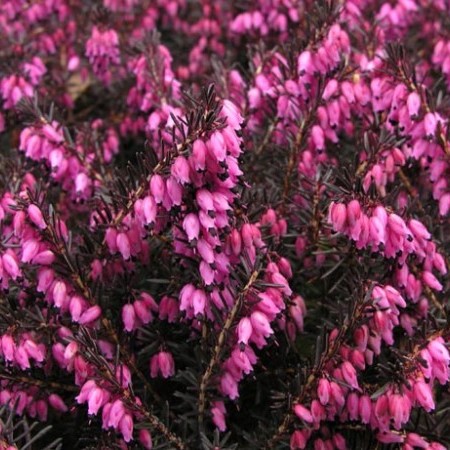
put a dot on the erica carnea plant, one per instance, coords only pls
(224, 224)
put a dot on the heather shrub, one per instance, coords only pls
(224, 224)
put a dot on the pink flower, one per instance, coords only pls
(323, 391)
(261, 324)
(352, 404)
(423, 395)
(337, 394)
(349, 374)
(166, 364)
(430, 280)
(157, 188)
(116, 413)
(199, 302)
(229, 386)
(302, 413)
(400, 409)
(338, 216)
(168, 309)
(129, 317)
(244, 330)
(198, 157)
(57, 403)
(126, 427)
(96, 399)
(11, 265)
(60, 294)
(90, 315)
(149, 209)
(365, 409)
(180, 170)
(145, 439)
(439, 351)
(123, 245)
(205, 200)
(30, 249)
(191, 226)
(413, 104)
(299, 439)
(218, 415)
(35, 215)
(162, 363)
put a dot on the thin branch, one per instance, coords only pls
(215, 358)
(327, 355)
(45, 384)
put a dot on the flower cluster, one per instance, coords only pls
(224, 224)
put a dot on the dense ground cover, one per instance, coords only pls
(224, 224)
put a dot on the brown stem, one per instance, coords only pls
(163, 430)
(133, 404)
(316, 217)
(327, 355)
(85, 290)
(292, 163)
(41, 383)
(270, 129)
(220, 345)
(411, 191)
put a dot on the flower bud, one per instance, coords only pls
(145, 439)
(191, 226)
(35, 215)
(56, 402)
(244, 330)
(352, 404)
(338, 216)
(323, 391)
(216, 145)
(205, 200)
(129, 317)
(198, 156)
(149, 209)
(430, 124)
(123, 245)
(431, 281)
(180, 170)
(438, 351)
(218, 415)
(126, 427)
(30, 249)
(96, 400)
(157, 188)
(60, 294)
(116, 412)
(174, 191)
(260, 323)
(423, 395)
(166, 364)
(413, 104)
(349, 374)
(199, 302)
(90, 315)
(10, 264)
(365, 408)
(44, 258)
(302, 413)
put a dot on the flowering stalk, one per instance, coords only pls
(221, 339)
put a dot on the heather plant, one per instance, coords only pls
(224, 224)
